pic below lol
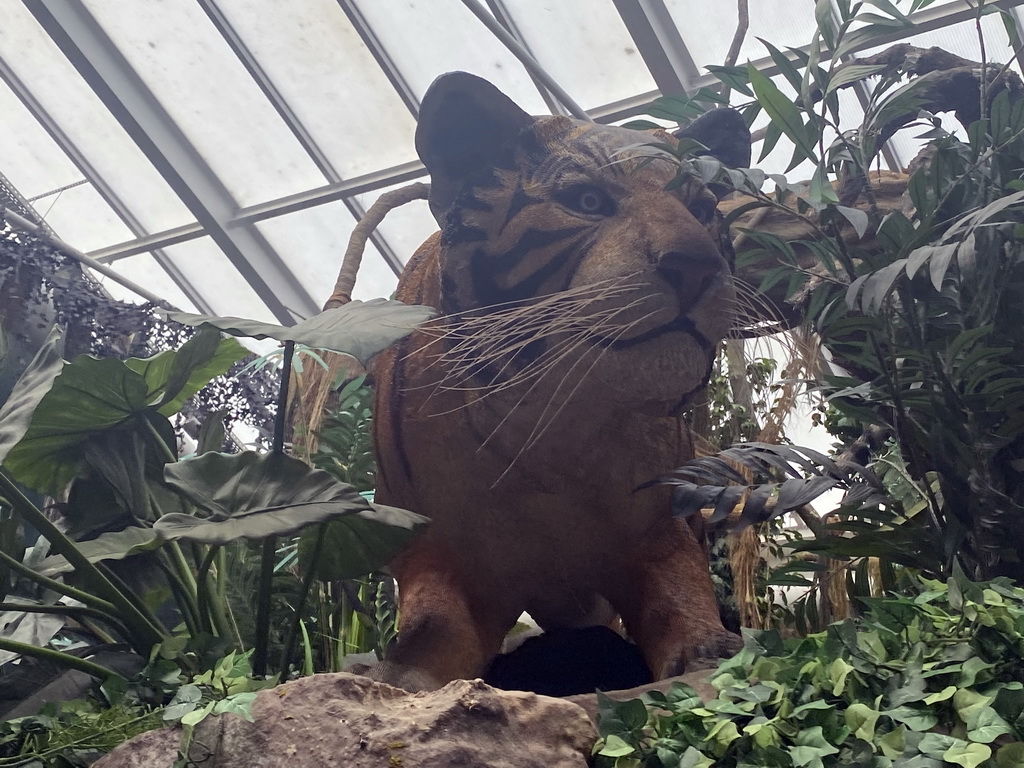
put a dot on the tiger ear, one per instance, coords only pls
(725, 134)
(465, 125)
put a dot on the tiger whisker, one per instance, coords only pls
(575, 345)
(565, 348)
(538, 431)
(551, 356)
(473, 329)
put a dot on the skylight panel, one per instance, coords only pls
(426, 39)
(198, 80)
(316, 60)
(585, 46)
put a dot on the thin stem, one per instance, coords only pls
(165, 449)
(186, 600)
(97, 603)
(269, 549)
(307, 581)
(222, 596)
(144, 628)
(63, 659)
(209, 596)
(77, 611)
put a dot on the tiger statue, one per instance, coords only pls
(581, 303)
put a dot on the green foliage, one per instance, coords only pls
(360, 329)
(72, 734)
(345, 445)
(930, 679)
(181, 527)
(927, 324)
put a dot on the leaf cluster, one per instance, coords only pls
(927, 680)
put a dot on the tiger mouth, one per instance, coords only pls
(681, 322)
(687, 302)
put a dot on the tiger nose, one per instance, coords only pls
(689, 274)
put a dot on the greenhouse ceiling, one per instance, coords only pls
(217, 153)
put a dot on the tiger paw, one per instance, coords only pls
(401, 676)
(714, 648)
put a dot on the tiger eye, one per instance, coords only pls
(587, 199)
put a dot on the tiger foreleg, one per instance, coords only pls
(667, 603)
(444, 634)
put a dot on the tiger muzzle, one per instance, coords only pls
(690, 275)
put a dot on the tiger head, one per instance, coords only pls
(564, 254)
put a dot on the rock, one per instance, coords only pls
(153, 749)
(697, 680)
(342, 719)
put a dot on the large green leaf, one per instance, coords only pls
(782, 111)
(88, 396)
(359, 544)
(252, 496)
(108, 546)
(174, 376)
(360, 329)
(91, 395)
(35, 382)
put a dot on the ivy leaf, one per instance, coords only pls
(238, 704)
(968, 755)
(943, 695)
(615, 746)
(694, 758)
(915, 718)
(893, 743)
(811, 747)
(987, 726)
(861, 719)
(937, 744)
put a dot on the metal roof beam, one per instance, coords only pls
(380, 53)
(56, 132)
(281, 206)
(295, 125)
(504, 16)
(658, 40)
(533, 67)
(77, 33)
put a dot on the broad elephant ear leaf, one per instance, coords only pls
(359, 544)
(174, 376)
(108, 546)
(252, 496)
(91, 395)
(360, 329)
(28, 392)
(88, 396)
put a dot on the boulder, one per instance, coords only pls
(343, 719)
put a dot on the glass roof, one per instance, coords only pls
(219, 152)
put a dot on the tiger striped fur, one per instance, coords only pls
(581, 304)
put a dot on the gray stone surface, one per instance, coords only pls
(348, 720)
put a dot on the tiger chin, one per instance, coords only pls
(581, 303)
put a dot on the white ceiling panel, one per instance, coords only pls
(316, 59)
(180, 56)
